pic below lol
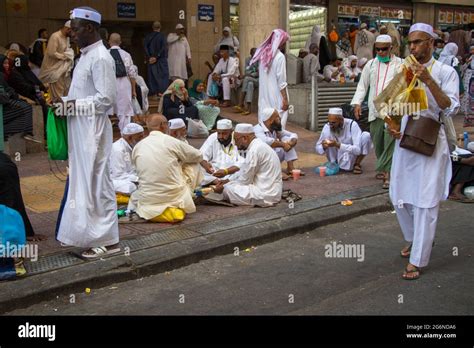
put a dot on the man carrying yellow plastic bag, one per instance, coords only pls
(163, 194)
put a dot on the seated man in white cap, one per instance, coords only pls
(351, 68)
(259, 182)
(283, 142)
(192, 172)
(343, 142)
(222, 154)
(124, 176)
(163, 194)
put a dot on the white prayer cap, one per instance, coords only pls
(224, 124)
(179, 26)
(67, 24)
(227, 29)
(84, 13)
(426, 28)
(244, 128)
(363, 26)
(132, 128)
(176, 123)
(266, 114)
(383, 39)
(352, 58)
(361, 62)
(335, 111)
(372, 29)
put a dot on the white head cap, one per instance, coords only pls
(361, 62)
(335, 111)
(244, 128)
(176, 123)
(426, 28)
(266, 114)
(132, 128)
(68, 24)
(363, 26)
(224, 124)
(87, 14)
(383, 39)
(179, 26)
(227, 29)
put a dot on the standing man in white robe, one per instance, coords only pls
(282, 141)
(126, 85)
(179, 54)
(124, 175)
(376, 76)
(88, 217)
(221, 152)
(419, 182)
(364, 43)
(259, 182)
(343, 142)
(273, 91)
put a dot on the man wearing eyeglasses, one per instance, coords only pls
(420, 182)
(375, 77)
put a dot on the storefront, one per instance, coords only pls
(304, 15)
(374, 16)
(447, 17)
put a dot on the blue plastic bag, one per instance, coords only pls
(12, 231)
(331, 168)
(214, 90)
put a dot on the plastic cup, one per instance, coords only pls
(322, 171)
(296, 174)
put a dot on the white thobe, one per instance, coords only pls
(353, 142)
(122, 171)
(178, 51)
(159, 161)
(418, 183)
(259, 182)
(123, 106)
(310, 67)
(376, 76)
(220, 157)
(227, 69)
(329, 70)
(89, 217)
(271, 82)
(269, 137)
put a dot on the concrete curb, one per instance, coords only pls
(212, 239)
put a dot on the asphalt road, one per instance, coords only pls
(295, 276)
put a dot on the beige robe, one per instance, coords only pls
(57, 64)
(159, 161)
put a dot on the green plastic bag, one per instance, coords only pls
(56, 134)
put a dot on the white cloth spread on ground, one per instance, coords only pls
(123, 106)
(271, 82)
(89, 218)
(353, 142)
(158, 160)
(377, 76)
(122, 171)
(178, 51)
(269, 137)
(220, 157)
(259, 182)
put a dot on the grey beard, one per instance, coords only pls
(336, 132)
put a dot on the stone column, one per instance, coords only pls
(257, 19)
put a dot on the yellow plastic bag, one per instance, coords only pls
(170, 215)
(414, 95)
(122, 199)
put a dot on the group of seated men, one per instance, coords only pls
(158, 176)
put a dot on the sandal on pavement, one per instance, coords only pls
(380, 176)
(132, 218)
(414, 270)
(245, 113)
(94, 253)
(237, 108)
(357, 169)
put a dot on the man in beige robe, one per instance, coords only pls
(58, 62)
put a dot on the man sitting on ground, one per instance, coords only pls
(343, 142)
(124, 176)
(163, 194)
(334, 71)
(270, 131)
(259, 182)
(222, 154)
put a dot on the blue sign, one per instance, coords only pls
(206, 13)
(126, 10)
